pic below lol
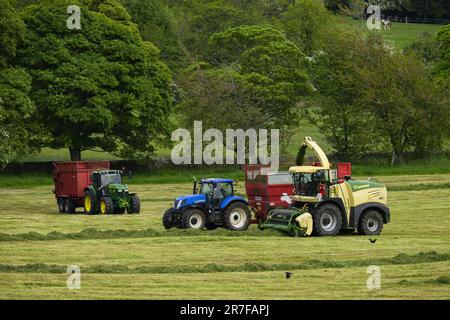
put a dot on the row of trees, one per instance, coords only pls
(138, 68)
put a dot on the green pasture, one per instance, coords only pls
(132, 256)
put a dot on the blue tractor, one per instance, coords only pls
(212, 204)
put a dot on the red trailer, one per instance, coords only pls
(71, 178)
(268, 190)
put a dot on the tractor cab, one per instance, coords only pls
(103, 178)
(216, 190)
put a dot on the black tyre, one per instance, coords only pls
(327, 220)
(211, 226)
(370, 223)
(69, 205)
(61, 205)
(168, 218)
(193, 219)
(237, 217)
(89, 203)
(135, 205)
(106, 205)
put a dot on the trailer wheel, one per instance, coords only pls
(135, 205)
(193, 219)
(370, 223)
(61, 205)
(327, 220)
(167, 218)
(237, 217)
(69, 205)
(106, 205)
(89, 203)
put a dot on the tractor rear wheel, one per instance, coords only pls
(135, 205)
(370, 223)
(89, 203)
(106, 205)
(69, 206)
(193, 219)
(167, 218)
(237, 217)
(327, 220)
(61, 205)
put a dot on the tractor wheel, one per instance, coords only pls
(327, 220)
(370, 223)
(193, 219)
(167, 218)
(237, 217)
(135, 205)
(69, 206)
(211, 226)
(89, 203)
(106, 205)
(61, 205)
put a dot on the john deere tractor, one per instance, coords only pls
(323, 205)
(107, 194)
(213, 205)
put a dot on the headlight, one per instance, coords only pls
(179, 204)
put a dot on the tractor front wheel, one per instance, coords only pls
(237, 217)
(135, 205)
(370, 223)
(193, 219)
(167, 218)
(327, 220)
(106, 205)
(89, 203)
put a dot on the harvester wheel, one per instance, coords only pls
(106, 205)
(61, 205)
(327, 220)
(167, 219)
(69, 206)
(370, 223)
(89, 203)
(135, 205)
(237, 217)
(193, 219)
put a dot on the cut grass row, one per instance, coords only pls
(412, 281)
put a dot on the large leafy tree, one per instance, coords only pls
(16, 108)
(98, 86)
(254, 79)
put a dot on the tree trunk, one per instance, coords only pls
(75, 154)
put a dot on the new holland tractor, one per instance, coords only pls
(323, 205)
(211, 205)
(107, 194)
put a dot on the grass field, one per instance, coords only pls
(132, 256)
(401, 34)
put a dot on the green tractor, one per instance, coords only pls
(107, 194)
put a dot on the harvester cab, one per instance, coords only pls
(212, 204)
(324, 205)
(107, 194)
